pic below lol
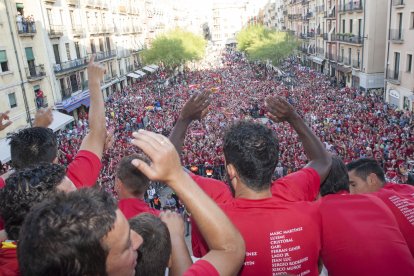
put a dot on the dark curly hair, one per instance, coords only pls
(33, 145)
(253, 149)
(23, 190)
(337, 179)
(63, 235)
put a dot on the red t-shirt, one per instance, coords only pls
(400, 199)
(292, 226)
(360, 236)
(84, 169)
(9, 265)
(201, 268)
(220, 193)
(131, 207)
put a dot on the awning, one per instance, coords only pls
(135, 76)
(60, 120)
(73, 102)
(318, 60)
(4, 150)
(139, 72)
(153, 66)
(86, 102)
(342, 68)
(149, 69)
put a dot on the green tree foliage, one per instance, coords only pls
(263, 44)
(174, 48)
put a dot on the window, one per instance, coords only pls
(409, 62)
(78, 56)
(3, 61)
(343, 26)
(350, 25)
(359, 27)
(412, 21)
(93, 50)
(67, 51)
(12, 100)
(56, 53)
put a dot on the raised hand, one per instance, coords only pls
(165, 164)
(196, 108)
(110, 139)
(43, 117)
(174, 222)
(4, 116)
(95, 71)
(279, 110)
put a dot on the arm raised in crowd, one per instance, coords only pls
(226, 245)
(94, 141)
(43, 117)
(194, 109)
(180, 257)
(4, 116)
(279, 110)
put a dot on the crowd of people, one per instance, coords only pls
(239, 89)
(284, 202)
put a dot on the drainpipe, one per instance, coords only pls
(388, 53)
(26, 105)
(364, 37)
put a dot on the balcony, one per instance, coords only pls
(73, 2)
(41, 102)
(394, 76)
(398, 3)
(35, 73)
(330, 56)
(325, 36)
(77, 30)
(396, 35)
(94, 29)
(70, 65)
(351, 7)
(347, 61)
(105, 55)
(348, 38)
(356, 64)
(55, 31)
(26, 28)
(330, 15)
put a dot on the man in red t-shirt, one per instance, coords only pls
(366, 176)
(33, 145)
(281, 230)
(131, 185)
(359, 227)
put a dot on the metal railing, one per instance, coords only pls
(70, 65)
(394, 75)
(105, 55)
(41, 102)
(356, 64)
(397, 35)
(77, 29)
(25, 27)
(351, 7)
(398, 2)
(331, 56)
(348, 38)
(35, 72)
(56, 30)
(347, 61)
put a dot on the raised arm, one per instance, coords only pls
(4, 116)
(226, 245)
(279, 110)
(43, 117)
(94, 141)
(180, 257)
(194, 109)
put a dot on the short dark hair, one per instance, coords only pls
(155, 251)
(33, 145)
(364, 167)
(337, 179)
(63, 234)
(23, 190)
(253, 149)
(133, 179)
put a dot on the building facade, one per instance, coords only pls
(46, 46)
(399, 84)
